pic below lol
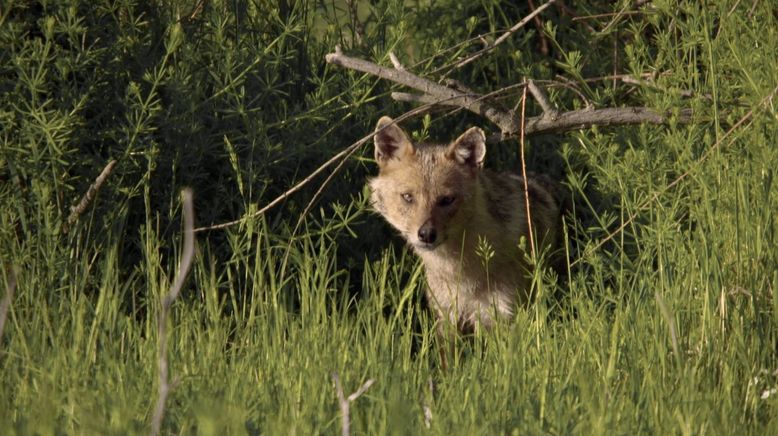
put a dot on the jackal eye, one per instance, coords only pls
(407, 197)
(446, 200)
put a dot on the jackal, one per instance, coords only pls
(465, 222)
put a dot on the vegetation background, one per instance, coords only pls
(669, 327)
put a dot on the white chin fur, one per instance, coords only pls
(424, 246)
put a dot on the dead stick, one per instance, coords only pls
(506, 120)
(86, 200)
(469, 101)
(175, 289)
(548, 108)
(524, 176)
(345, 403)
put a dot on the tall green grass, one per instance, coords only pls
(668, 327)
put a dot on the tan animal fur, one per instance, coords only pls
(444, 203)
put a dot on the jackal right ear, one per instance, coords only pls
(469, 149)
(391, 142)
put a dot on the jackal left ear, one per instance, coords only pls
(469, 149)
(390, 141)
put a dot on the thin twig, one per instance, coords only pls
(682, 92)
(616, 18)
(504, 36)
(175, 289)
(678, 179)
(425, 406)
(524, 175)
(622, 77)
(10, 287)
(752, 10)
(345, 403)
(196, 10)
(567, 84)
(308, 208)
(345, 152)
(345, 421)
(548, 108)
(396, 62)
(605, 15)
(90, 194)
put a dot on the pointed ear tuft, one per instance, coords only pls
(390, 140)
(469, 149)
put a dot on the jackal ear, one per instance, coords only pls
(469, 149)
(390, 140)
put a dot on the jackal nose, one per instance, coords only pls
(427, 234)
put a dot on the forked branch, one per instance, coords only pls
(508, 121)
(345, 402)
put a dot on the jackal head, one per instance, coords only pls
(426, 191)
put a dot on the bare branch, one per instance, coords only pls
(472, 102)
(425, 404)
(183, 269)
(10, 287)
(361, 390)
(345, 421)
(524, 170)
(396, 62)
(548, 108)
(86, 200)
(506, 120)
(416, 98)
(566, 121)
(581, 119)
(345, 403)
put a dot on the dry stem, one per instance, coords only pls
(175, 289)
(345, 403)
(90, 194)
(524, 173)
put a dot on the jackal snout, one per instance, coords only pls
(427, 233)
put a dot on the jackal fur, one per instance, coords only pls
(446, 206)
